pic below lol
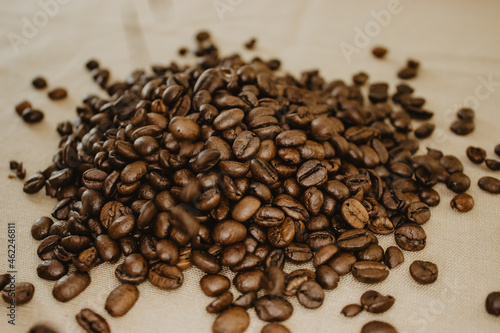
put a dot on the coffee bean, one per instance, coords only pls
(463, 202)
(70, 286)
(298, 253)
(263, 172)
(165, 277)
(425, 130)
(462, 127)
(92, 322)
(92, 64)
(429, 196)
(370, 271)
(245, 208)
(32, 116)
(21, 106)
(492, 164)
(311, 173)
(220, 303)
(205, 262)
(40, 229)
(121, 300)
(342, 263)
(275, 328)
(246, 301)
(418, 212)
(374, 302)
(379, 51)
(248, 281)
(373, 252)
(477, 155)
(458, 182)
(234, 320)
(310, 295)
(39, 82)
(214, 285)
(57, 94)
(354, 213)
(41, 328)
(489, 184)
(327, 277)
(273, 308)
(378, 327)
(167, 251)
(51, 269)
(353, 240)
(493, 303)
(424, 272)
(410, 237)
(380, 225)
(351, 310)
(393, 257)
(18, 293)
(133, 270)
(229, 232)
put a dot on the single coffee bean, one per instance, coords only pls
(245, 208)
(133, 270)
(373, 252)
(220, 303)
(234, 320)
(310, 295)
(51, 269)
(380, 225)
(327, 277)
(418, 212)
(393, 257)
(70, 286)
(477, 155)
(229, 232)
(463, 202)
(32, 116)
(39, 82)
(492, 164)
(429, 196)
(214, 285)
(21, 106)
(342, 263)
(298, 253)
(205, 262)
(92, 322)
(458, 182)
(378, 327)
(354, 213)
(489, 184)
(311, 173)
(248, 281)
(370, 271)
(375, 302)
(246, 301)
(121, 300)
(425, 130)
(410, 237)
(273, 308)
(275, 328)
(21, 293)
(57, 94)
(379, 51)
(40, 229)
(493, 303)
(351, 310)
(462, 127)
(424, 272)
(353, 240)
(165, 277)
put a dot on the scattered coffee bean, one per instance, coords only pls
(32, 116)
(462, 127)
(214, 285)
(273, 308)
(18, 293)
(492, 164)
(410, 237)
(21, 106)
(493, 303)
(121, 300)
(489, 184)
(182, 51)
(379, 51)
(458, 182)
(91, 321)
(250, 45)
(393, 257)
(92, 64)
(463, 202)
(39, 82)
(378, 327)
(310, 295)
(351, 310)
(425, 130)
(370, 271)
(424, 272)
(70, 286)
(477, 155)
(375, 302)
(57, 94)
(234, 320)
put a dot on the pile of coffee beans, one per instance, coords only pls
(228, 163)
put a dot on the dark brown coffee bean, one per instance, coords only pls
(375, 302)
(220, 303)
(310, 295)
(351, 310)
(492, 164)
(429, 196)
(18, 293)
(493, 303)
(273, 308)
(21, 106)
(380, 225)
(133, 270)
(214, 285)
(424, 272)
(373, 252)
(167, 251)
(40, 229)
(57, 93)
(379, 51)
(463, 202)
(234, 320)
(39, 82)
(108, 249)
(489, 184)
(121, 300)
(378, 327)
(311, 173)
(51, 269)
(458, 182)
(410, 237)
(462, 127)
(327, 277)
(205, 262)
(353, 240)
(477, 155)
(275, 328)
(354, 213)
(32, 116)
(342, 263)
(291, 207)
(425, 130)
(245, 208)
(92, 322)
(229, 232)
(418, 212)
(165, 277)
(70, 286)
(294, 279)
(246, 301)
(41, 328)
(263, 171)
(393, 257)
(248, 281)
(370, 271)
(298, 253)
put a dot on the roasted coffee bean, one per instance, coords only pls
(462, 127)
(393, 257)
(245, 208)
(121, 300)
(40, 229)
(425, 130)
(92, 64)
(39, 82)
(282, 235)
(353, 240)
(273, 308)
(310, 295)
(291, 207)
(205, 262)
(298, 253)
(294, 279)
(418, 212)
(133, 270)
(70, 286)
(234, 320)
(229, 232)
(379, 51)
(351, 310)
(424, 272)
(378, 327)
(429, 196)
(275, 328)
(92, 322)
(167, 251)
(32, 116)
(458, 182)
(493, 303)
(373, 252)
(220, 303)
(51, 269)
(489, 184)
(370, 271)
(57, 93)
(41, 328)
(248, 281)
(214, 285)
(375, 302)
(380, 225)
(324, 254)
(21, 106)
(342, 263)
(34, 184)
(108, 249)
(311, 173)
(327, 277)
(410, 237)
(492, 164)
(477, 155)
(165, 277)
(463, 202)
(263, 171)
(18, 293)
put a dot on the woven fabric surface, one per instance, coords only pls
(456, 42)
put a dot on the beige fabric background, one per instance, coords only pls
(457, 43)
